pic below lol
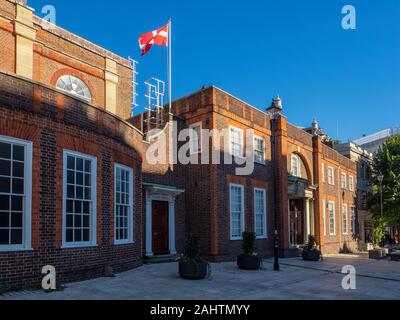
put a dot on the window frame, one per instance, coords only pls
(345, 231)
(255, 138)
(343, 181)
(295, 156)
(331, 179)
(242, 214)
(84, 98)
(93, 220)
(27, 207)
(264, 220)
(353, 219)
(324, 217)
(242, 155)
(351, 183)
(191, 135)
(333, 212)
(323, 172)
(130, 217)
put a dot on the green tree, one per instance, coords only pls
(386, 162)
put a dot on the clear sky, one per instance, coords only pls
(348, 79)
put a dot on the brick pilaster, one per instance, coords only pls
(318, 205)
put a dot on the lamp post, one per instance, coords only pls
(380, 179)
(275, 111)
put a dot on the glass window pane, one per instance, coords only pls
(70, 206)
(18, 169)
(4, 219)
(5, 150)
(87, 180)
(70, 177)
(70, 191)
(86, 235)
(71, 162)
(4, 203)
(5, 185)
(16, 220)
(69, 235)
(86, 207)
(70, 220)
(88, 166)
(18, 153)
(5, 168)
(16, 236)
(4, 236)
(86, 220)
(87, 194)
(16, 203)
(79, 164)
(79, 178)
(79, 192)
(18, 186)
(78, 221)
(78, 235)
(78, 206)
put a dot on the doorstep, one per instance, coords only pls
(161, 259)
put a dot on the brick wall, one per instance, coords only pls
(207, 186)
(58, 52)
(207, 196)
(54, 122)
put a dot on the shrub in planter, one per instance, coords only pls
(191, 265)
(311, 253)
(249, 260)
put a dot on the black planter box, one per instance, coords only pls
(311, 255)
(247, 262)
(193, 271)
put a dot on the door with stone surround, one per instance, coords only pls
(296, 222)
(160, 227)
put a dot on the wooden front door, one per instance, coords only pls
(160, 228)
(296, 222)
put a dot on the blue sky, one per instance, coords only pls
(348, 79)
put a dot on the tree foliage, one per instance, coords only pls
(386, 162)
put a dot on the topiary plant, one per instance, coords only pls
(192, 251)
(249, 243)
(312, 244)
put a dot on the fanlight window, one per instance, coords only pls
(75, 86)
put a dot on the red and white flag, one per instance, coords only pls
(158, 37)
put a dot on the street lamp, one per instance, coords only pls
(275, 110)
(380, 179)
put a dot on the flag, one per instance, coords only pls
(158, 37)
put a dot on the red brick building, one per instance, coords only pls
(309, 186)
(70, 167)
(78, 191)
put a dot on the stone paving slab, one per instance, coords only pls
(384, 269)
(297, 280)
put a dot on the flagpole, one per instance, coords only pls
(170, 64)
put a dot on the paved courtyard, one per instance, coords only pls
(297, 280)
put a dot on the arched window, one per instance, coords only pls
(295, 166)
(75, 86)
